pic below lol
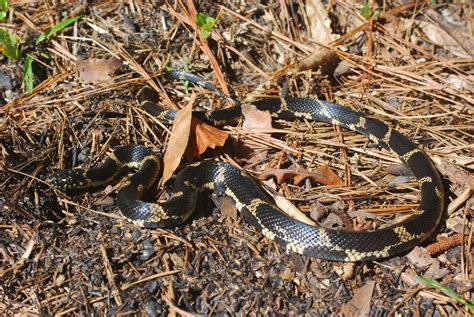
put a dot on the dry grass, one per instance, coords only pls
(63, 255)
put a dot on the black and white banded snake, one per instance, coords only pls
(249, 198)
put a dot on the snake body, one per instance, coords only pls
(257, 209)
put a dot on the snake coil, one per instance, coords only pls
(249, 198)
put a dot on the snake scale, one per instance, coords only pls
(255, 206)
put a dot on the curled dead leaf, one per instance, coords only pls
(202, 137)
(318, 58)
(189, 137)
(178, 141)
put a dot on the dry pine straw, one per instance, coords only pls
(99, 260)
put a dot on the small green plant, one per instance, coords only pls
(367, 13)
(9, 45)
(446, 291)
(8, 42)
(3, 9)
(184, 82)
(28, 76)
(206, 23)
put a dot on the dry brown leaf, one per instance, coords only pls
(208, 136)
(93, 70)
(330, 177)
(255, 119)
(454, 172)
(440, 37)
(318, 58)
(227, 208)
(203, 136)
(321, 33)
(422, 259)
(319, 22)
(287, 274)
(359, 305)
(459, 34)
(190, 137)
(324, 175)
(178, 140)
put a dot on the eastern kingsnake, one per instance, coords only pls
(249, 198)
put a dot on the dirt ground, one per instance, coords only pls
(407, 64)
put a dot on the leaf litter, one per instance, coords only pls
(71, 255)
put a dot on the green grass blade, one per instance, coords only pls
(446, 291)
(56, 28)
(28, 74)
